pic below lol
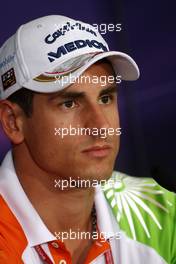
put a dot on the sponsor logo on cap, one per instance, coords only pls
(8, 79)
(71, 46)
(7, 61)
(65, 28)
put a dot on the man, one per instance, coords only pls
(47, 181)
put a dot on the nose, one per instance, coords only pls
(97, 118)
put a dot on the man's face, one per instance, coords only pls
(81, 105)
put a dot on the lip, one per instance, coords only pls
(98, 151)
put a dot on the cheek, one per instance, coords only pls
(114, 123)
(113, 117)
(48, 149)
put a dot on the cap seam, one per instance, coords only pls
(22, 65)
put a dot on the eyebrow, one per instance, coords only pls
(74, 94)
(108, 90)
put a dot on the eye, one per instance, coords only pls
(106, 99)
(69, 104)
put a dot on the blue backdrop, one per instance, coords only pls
(147, 107)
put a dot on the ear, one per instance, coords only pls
(11, 118)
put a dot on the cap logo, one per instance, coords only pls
(65, 28)
(71, 46)
(7, 61)
(8, 79)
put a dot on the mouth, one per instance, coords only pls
(98, 151)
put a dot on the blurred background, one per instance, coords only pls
(147, 106)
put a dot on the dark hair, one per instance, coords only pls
(24, 99)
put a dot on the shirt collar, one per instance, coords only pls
(34, 228)
(106, 221)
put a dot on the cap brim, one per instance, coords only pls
(122, 64)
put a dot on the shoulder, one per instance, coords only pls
(145, 211)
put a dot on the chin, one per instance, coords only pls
(97, 173)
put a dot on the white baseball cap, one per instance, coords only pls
(51, 48)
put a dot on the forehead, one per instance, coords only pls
(103, 66)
